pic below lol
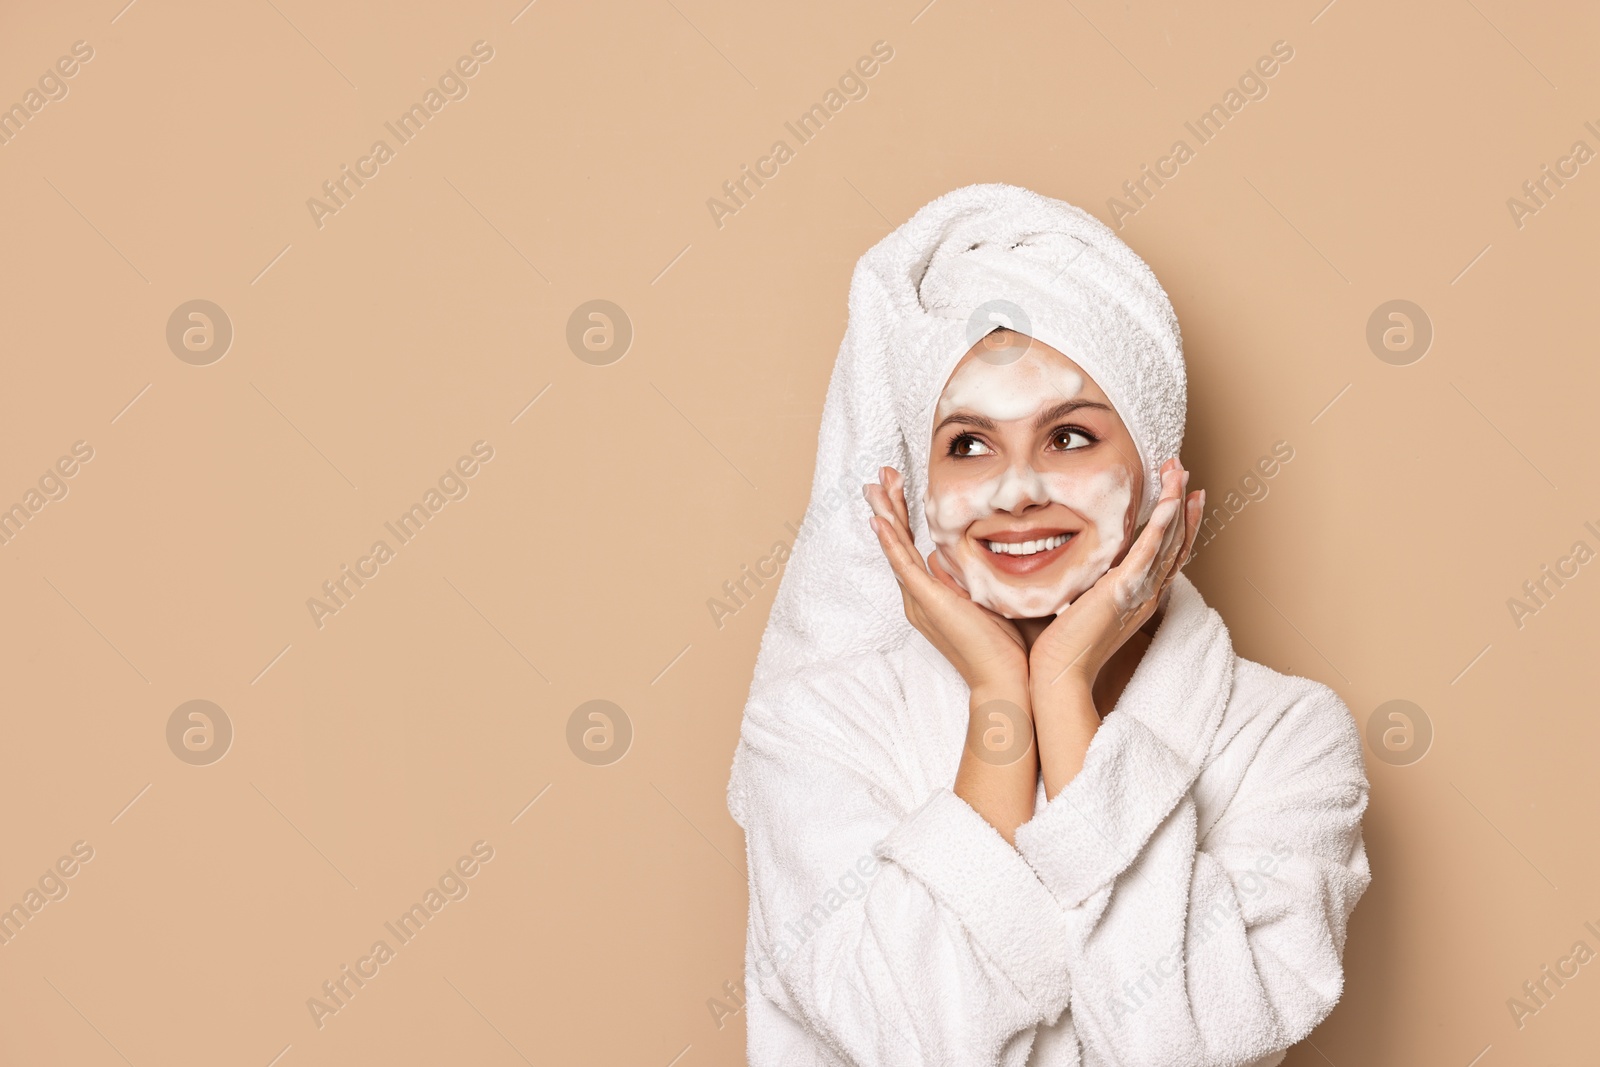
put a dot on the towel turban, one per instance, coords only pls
(975, 258)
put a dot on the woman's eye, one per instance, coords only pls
(967, 445)
(1063, 440)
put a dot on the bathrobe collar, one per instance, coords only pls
(1182, 685)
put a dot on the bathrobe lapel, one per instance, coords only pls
(1181, 687)
(1143, 759)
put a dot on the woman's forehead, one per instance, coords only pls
(1012, 378)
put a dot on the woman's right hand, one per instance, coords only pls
(987, 649)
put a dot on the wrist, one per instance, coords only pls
(1081, 674)
(1071, 691)
(1000, 730)
(1012, 690)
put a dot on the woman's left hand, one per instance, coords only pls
(1083, 637)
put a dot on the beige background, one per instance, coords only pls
(427, 313)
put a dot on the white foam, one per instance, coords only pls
(1006, 393)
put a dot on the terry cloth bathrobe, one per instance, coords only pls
(1183, 901)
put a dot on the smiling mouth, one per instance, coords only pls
(1017, 555)
(1027, 548)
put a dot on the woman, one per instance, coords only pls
(1009, 795)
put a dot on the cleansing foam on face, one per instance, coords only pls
(1000, 573)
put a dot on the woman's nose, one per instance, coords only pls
(1020, 488)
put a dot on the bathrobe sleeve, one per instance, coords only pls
(894, 928)
(1211, 945)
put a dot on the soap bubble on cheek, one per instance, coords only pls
(1104, 503)
(1101, 499)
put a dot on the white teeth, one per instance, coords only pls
(1027, 548)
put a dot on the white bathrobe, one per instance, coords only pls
(1183, 901)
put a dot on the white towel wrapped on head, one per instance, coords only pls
(1184, 899)
(913, 299)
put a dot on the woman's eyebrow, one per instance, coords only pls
(983, 422)
(965, 419)
(1066, 408)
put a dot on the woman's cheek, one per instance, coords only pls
(951, 510)
(1102, 499)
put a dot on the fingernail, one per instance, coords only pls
(866, 492)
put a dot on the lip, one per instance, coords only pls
(1019, 566)
(1032, 533)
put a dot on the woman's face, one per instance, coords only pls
(1033, 480)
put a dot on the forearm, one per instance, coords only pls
(1065, 720)
(999, 771)
(885, 917)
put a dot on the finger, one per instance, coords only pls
(883, 507)
(1140, 570)
(907, 564)
(1161, 566)
(936, 567)
(1172, 540)
(1197, 510)
(1150, 541)
(1193, 509)
(895, 483)
(1164, 567)
(894, 550)
(906, 548)
(878, 500)
(1186, 523)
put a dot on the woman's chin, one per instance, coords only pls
(1039, 599)
(1018, 604)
